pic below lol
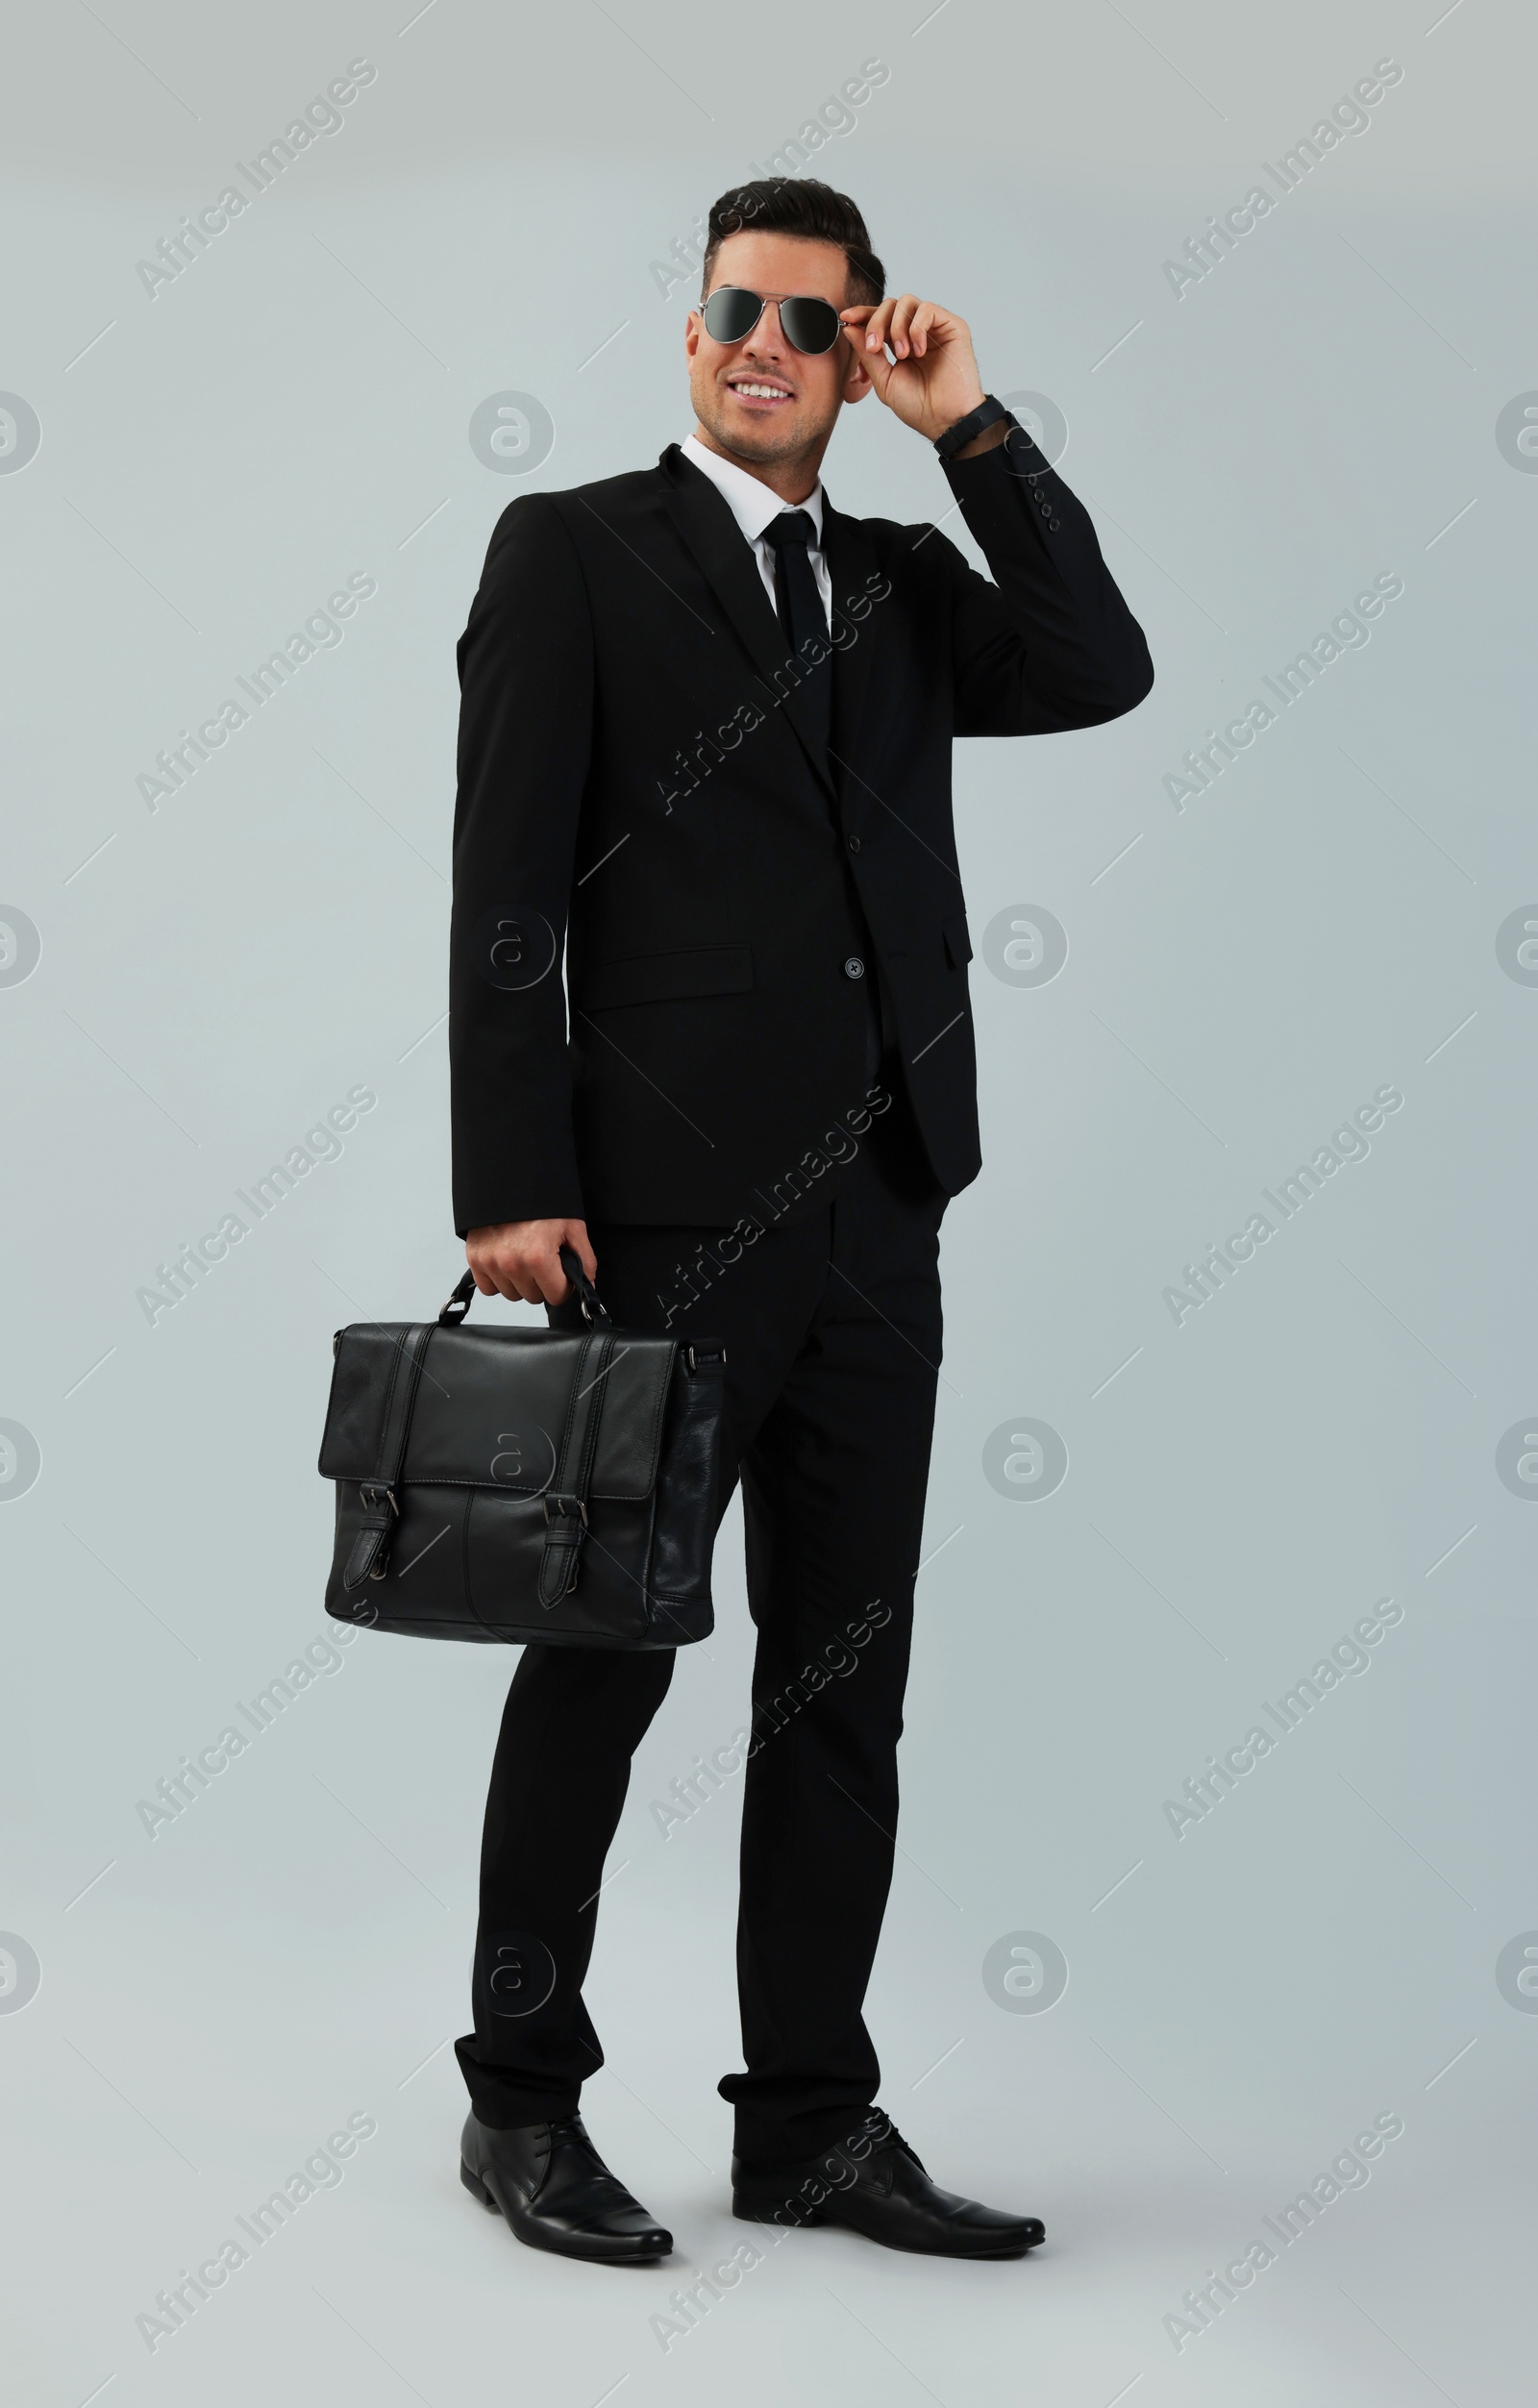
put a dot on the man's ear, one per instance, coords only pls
(857, 381)
(692, 328)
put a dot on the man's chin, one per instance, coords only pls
(753, 434)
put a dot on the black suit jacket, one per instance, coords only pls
(638, 790)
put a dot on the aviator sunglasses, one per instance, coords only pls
(807, 323)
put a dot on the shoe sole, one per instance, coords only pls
(762, 2212)
(589, 2256)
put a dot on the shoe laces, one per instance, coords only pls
(884, 2134)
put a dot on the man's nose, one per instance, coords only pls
(768, 336)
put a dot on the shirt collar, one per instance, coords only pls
(752, 502)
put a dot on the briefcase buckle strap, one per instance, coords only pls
(369, 1559)
(370, 1556)
(561, 1507)
(562, 1559)
(565, 1501)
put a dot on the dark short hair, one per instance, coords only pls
(791, 205)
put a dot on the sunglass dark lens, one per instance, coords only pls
(811, 326)
(730, 314)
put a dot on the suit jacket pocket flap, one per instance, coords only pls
(666, 978)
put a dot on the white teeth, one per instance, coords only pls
(762, 393)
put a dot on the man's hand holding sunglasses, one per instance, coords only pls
(931, 379)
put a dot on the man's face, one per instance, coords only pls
(762, 399)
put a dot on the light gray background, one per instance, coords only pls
(216, 973)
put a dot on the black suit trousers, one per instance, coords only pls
(831, 1324)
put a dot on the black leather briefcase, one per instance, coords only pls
(524, 1484)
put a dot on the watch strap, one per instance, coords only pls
(988, 413)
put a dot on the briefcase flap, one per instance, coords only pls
(492, 1405)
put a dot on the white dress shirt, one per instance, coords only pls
(753, 506)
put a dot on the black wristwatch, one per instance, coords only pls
(988, 413)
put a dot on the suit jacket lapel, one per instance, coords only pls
(727, 563)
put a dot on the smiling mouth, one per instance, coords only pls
(758, 388)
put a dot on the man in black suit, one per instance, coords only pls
(705, 751)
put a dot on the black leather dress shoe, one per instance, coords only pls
(556, 2193)
(873, 2183)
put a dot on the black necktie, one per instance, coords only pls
(802, 615)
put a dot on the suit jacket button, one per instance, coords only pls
(854, 844)
(853, 967)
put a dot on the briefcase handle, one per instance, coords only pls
(593, 1309)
